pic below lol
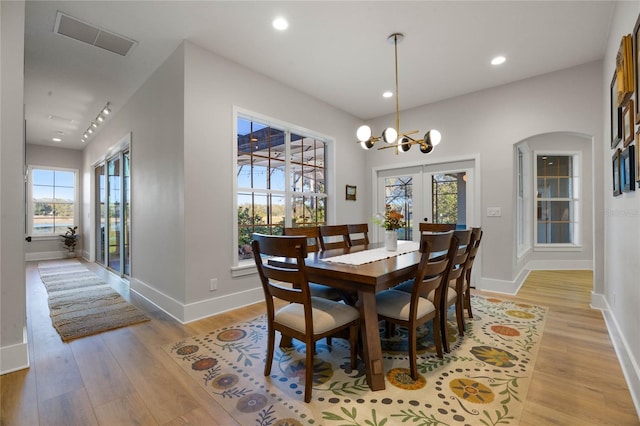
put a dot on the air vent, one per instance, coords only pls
(76, 29)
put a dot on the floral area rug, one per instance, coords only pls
(482, 381)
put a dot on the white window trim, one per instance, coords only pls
(247, 266)
(577, 197)
(30, 169)
(524, 209)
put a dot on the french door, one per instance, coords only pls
(113, 213)
(437, 193)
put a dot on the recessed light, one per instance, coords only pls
(280, 24)
(387, 94)
(56, 140)
(498, 60)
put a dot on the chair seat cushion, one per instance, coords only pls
(396, 304)
(327, 315)
(324, 291)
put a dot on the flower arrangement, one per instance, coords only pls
(391, 220)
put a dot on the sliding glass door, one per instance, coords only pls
(113, 199)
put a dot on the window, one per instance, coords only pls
(447, 192)
(280, 180)
(53, 200)
(557, 199)
(398, 193)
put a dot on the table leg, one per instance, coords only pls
(372, 348)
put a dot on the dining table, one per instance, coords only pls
(364, 270)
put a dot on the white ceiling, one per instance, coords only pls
(336, 51)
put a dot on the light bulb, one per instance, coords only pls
(390, 135)
(436, 137)
(100, 118)
(363, 133)
(94, 124)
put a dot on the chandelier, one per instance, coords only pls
(400, 141)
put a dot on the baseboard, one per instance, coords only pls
(186, 313)
(559, 265)
(628, 364)
(45, 255)
(598, 301)
(14, 357)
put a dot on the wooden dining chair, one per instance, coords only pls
(477, 237)
(359, 234)
(455, 281)
(415, 308)
(305, 318)
(313, 245)
(455, 293)
(334, 237)
(436, 227)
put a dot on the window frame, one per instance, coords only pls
(523, 196)
(575, 198)
(30, 211)
(242, 267)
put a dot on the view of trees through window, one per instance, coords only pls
(53, 201)
(281, 180)
(445, 189)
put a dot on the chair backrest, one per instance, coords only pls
(273, 277)
(328, 234)
(437, 227)
(477, 237)
(311, 232)
(465, 243)
(433, 271)
(361, 233)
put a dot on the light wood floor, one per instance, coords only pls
(122, 377)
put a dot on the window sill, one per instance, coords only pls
(557, 247)
(243, 269)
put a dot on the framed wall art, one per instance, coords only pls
(636, 66)
(615, 168)
(624, 70)
(616, 113)
(350, 193)
(627, 169)
(627, 123)
(638, 158)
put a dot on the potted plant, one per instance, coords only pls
(70, 239)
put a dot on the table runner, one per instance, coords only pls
(368, 256)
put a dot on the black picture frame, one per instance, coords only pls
(627, 123)
(615, 168)
(636, 63)
(627, 169)
(616, 113)
(350, 192)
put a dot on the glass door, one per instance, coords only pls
(101, 211)
(437, 193)
(113, 213)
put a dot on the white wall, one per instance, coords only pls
(155, 118)
(488, 124)
(49, 156)
(181, 166)
(13, 317)
(621, 227)
(213, 87)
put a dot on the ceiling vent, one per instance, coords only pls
(71, 27)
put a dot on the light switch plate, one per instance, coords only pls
(494, 211)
